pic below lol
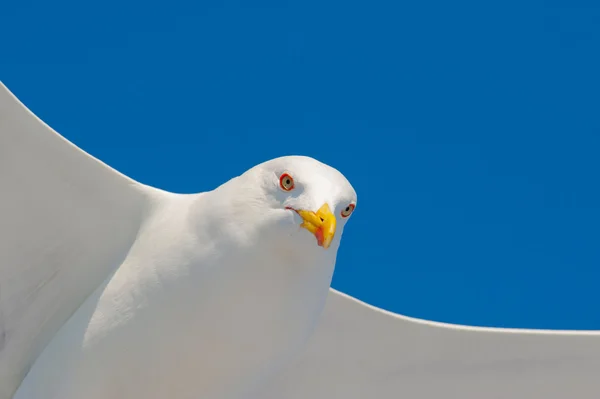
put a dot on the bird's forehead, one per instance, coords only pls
(309, 171)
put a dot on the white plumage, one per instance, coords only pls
(113, 289)
(142, 293)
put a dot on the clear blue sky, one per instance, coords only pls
(470, 129)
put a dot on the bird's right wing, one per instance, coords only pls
(66, 221)
(361, 352)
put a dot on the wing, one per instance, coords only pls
(66, 222)
(359, 351)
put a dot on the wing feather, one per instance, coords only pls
(66, 222)
(359, 351)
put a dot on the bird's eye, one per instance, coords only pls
(347, 211)
(286, 182)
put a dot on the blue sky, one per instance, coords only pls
(469, 129)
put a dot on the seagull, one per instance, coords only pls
(114, 289)
(110, 288)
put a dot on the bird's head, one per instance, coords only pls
(297, 202)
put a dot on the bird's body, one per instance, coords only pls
(196, 310)
(113, 289)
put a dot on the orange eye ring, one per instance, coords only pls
(286, 182)
(348, 210)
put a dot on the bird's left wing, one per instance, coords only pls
(66, 221)
(360, 352)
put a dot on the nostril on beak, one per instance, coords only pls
(322, 220)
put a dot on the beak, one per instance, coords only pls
(321, 223)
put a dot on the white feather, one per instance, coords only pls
(112, 289)
(115, 289)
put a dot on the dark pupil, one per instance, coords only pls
(347, 209)
(287, 181)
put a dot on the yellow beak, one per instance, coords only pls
(321, 223)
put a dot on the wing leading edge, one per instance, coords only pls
(359, 351)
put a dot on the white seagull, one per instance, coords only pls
(113, 289)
